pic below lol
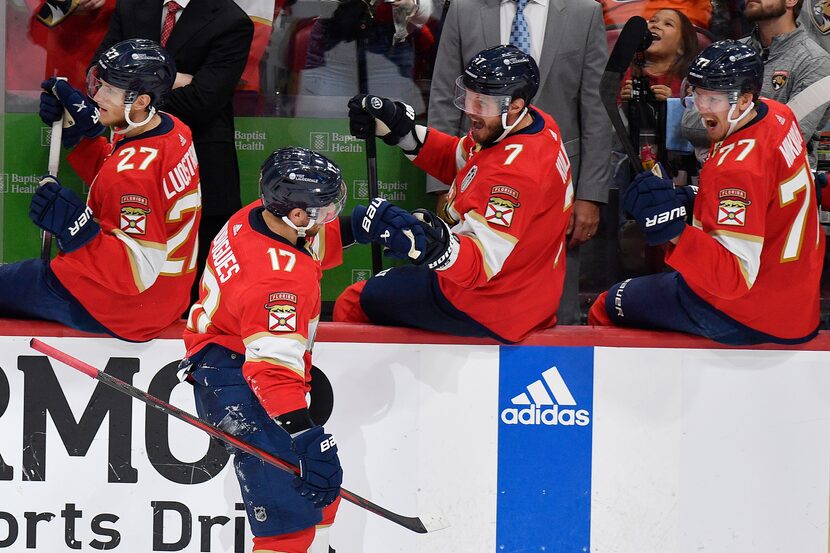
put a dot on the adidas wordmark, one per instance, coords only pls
(544, 409)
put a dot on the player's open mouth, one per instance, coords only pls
(655, 37)
(476, 125)
(710, 123)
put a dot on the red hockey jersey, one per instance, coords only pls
(135, 276)
(512, 203)
(260, 296)
(755, 250)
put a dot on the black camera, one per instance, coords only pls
(640, 84)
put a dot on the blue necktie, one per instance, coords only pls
(519, 33)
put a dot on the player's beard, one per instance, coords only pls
(754, 11)
(485, 132)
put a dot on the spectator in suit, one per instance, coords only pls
(209, 41)
(568, 40)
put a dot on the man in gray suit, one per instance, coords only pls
(567, 37)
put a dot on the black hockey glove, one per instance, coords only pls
(394, 122)
(60, 211)
(653, 202)
(81, 112)
(320, 473)
(441, 244)
(400, 234)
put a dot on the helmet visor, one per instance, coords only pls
(328, 213)
(476, 103)
(712, 101)
(95, 86)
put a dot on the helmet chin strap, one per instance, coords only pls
(508, 128)
(734, 122)
(300, 230)
(130, 125)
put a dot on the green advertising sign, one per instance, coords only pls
(27, 149)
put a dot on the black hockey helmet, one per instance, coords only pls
(728, 65)
(138, 66)
(502, 70)
(297, 177)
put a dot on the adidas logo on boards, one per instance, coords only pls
(542, 409)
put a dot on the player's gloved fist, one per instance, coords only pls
(441, 244)
(60, 211)
(686, 196)
(656, 209)
(320, 473)
(650, 189)
(389, 120)
(393, 227)
(82, 113)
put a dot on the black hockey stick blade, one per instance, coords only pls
(420, 525)
(631, 36)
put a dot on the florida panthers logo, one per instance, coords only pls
(820, 14)
(500, 210)
(134, 210)
(282, 312)
(732, 207)
(779, 79)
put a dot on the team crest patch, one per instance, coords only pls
(779, 79)
(820, 15)
(134, 210)
(468, 178)
(282, 312)
(732, 207)
(500, 210)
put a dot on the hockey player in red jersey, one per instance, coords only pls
(249, 341)
(498, 270)
(127, 256)
(747, 269)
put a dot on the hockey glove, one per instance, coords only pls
(394, 228)
(441, 244)
(653, 202)
(394, 122)
(81, 113)
(60, 211)
(686, 196)
(320, 473)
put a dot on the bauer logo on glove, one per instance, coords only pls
(666, 216)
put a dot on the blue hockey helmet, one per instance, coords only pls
(504, 72)
(297, 177)
(728, 65)
(138, 66)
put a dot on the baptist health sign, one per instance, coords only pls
(520, 448)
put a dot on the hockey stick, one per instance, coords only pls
(371, 148)
(811, 98)
(52, 167)
(621, 56)
(421, 526)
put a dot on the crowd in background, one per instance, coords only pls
(307, 57)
